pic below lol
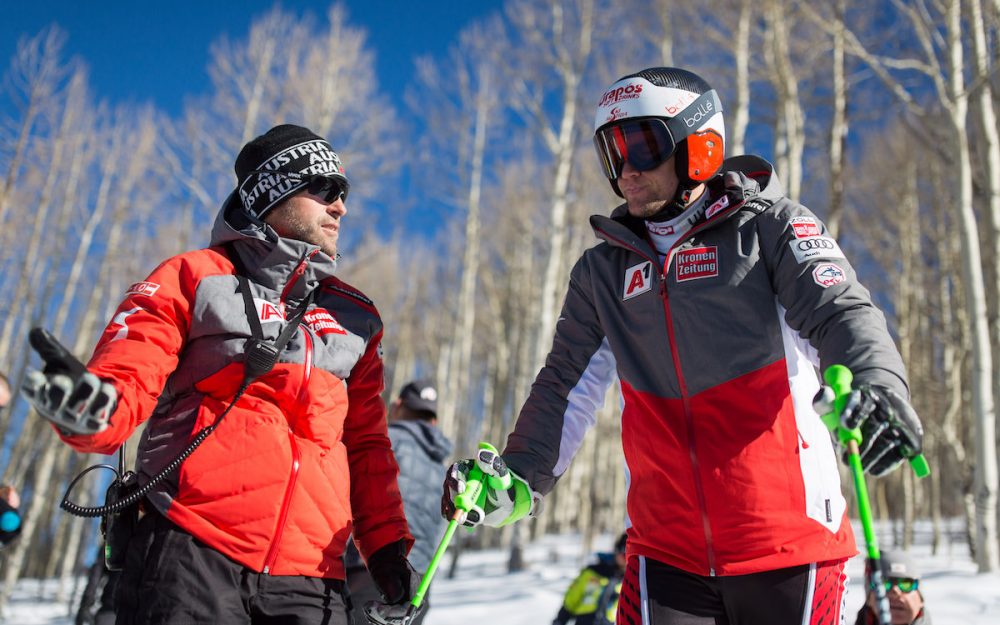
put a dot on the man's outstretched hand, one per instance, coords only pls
(64, 392)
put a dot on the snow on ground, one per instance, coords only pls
(482, 588)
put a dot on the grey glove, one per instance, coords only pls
(64, 392)
(891, 431)
(83, 406)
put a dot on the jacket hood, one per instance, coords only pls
(270, 259)
(430, 438)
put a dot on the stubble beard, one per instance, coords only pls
(312, 233)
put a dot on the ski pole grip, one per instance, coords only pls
(474, 492)
(839, 378)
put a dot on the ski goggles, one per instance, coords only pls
(647, 142)
(904, 584)
(643, 143)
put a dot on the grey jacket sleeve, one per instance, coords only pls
(822, 298)
(567, 392)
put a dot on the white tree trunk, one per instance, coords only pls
(972, 272)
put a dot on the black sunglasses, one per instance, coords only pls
(326, 187)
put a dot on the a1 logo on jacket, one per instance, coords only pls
(638, 280)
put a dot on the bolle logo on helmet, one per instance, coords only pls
(703, 111)
(627, 92)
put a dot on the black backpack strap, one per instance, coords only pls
(261, 356)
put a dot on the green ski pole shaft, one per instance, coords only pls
(839, 378)
(471, 497)
(425, 581)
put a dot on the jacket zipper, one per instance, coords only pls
(685, 398)
(689, 419)
(272, 551)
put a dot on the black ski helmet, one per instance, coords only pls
(647, 117)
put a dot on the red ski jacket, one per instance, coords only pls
(716, 349)
(303, 458)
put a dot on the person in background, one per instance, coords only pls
(902, 585)
(10, 500)
(592, 598)
(420, 449)
(256, 337)
(4, 391)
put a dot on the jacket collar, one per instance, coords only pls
(742, 179)
(288, 266)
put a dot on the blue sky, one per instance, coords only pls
(122, 41)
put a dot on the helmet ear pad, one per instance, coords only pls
(700, 156)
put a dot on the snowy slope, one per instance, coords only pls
(954, 592)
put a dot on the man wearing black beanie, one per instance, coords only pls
(255, 341)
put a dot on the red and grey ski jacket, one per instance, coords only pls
(303, 458)
(730, 469)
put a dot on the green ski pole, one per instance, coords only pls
(472, 498)
(839, 379)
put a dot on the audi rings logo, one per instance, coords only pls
(808, 248)
(818, 243)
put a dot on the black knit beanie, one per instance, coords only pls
(286, 148)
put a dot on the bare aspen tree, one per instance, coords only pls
(558, 42)
(465, 95)
(740, 117)
(945, 72)
(34, 79)
(789, 132)
(986, 112)
(955, 101)
(838, 125)
(248, 77)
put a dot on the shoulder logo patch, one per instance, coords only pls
(808, 248)
(148, 289)
(638, 280)
(828, 274)
(804, 227)
(720, 205)
(696, 263)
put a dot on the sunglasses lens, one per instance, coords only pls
(328, 188)
(644, 144)
(904, 584)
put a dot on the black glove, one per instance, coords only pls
(890, 429)
(64, 392)
(392, 573)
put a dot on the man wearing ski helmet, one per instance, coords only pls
(257, 338)
(713, 299)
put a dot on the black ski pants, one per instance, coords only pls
(171, 578)
(654, 593)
